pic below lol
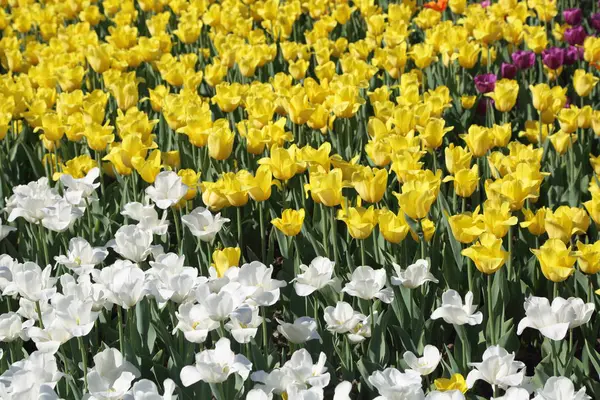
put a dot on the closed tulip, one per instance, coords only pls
(325, 187)
(360, 221)
(588, 257)
(393, 227)
(556, 260)
(222, 260)
(584, 82)
(487, 254)
(465, 181)
(370, 184)
(535, 222)
(505, 94)
(290, 223)
(282, 162)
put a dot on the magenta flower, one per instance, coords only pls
(573, 16)
(523, 59)
(553, 57)
(573, 54)
(508, 71)
(595, 21)
(575, 36)
(485, 83)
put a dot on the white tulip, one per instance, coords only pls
(7, 264)
(393, 384)
(26, 379)
(13, 328)
(361, 331)
(453, 311)
(342, 391)
(498, 368)
(80, 192)
(560, 388)
(215, 366)
(414, 276)
(257, 277)
(314, 277)
(5, 230)
(514, 393)
(575, 311)
(244, 323)
(75, 315)
(49, 339)
(424, 365)
(169, 279)
(84, 290)
(368, 284)
(448, 395)
(258, 394)
(31, 282)
(124, 283)
(203, 224)
(146, 390)
(60, 216)
(132, 243)
(342, 318)
(167, 190)
(298, 393)
(302, 330)
(31, 201)
(111, 376)
(147, 218)
(82, 257)
(194, 322)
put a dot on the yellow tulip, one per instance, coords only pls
(505, 94)
(467, 227)
(487, 253)
(584, 82)
(325, 187)
(148, 169)
(360, 221)
(457, 158)
(535, 223)
(258, 186)
(416, 202)
(593, 208)
(224, 259)
(588, 257)
(371, 184)
(479, 139)
(556, 260)
(212, 195)
(497, 218)
(432, 134)
(282, 162)
(233, 189)
(568, 119)
(465, 181)
(562, 141)
(191, 179)
(393, 227)
(456, 381)
(467, 102)
(220, 141)
(428, 229)
(290, 223)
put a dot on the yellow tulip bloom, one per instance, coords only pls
(487, 254)
(224, 259)
(290, 223)
(360, 221)
(556, 260)
(588, 257)
(370, 184)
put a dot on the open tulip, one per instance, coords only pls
(487, 253)
(290, 222)
(556, 260)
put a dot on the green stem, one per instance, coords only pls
(120, 328)
(84, 361)
(362, 253)
(264, 330)
(238, 211)
(554, 344)
(38, 310)
(177, 230)
(261, 219)
(324, 230)
(334, 229)
(509, 266)
(42, 236)
(490, 309)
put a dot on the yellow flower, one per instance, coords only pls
(465, 181)
(584, 82)
(468, 102)
(212, 195)
(593, 208)
(532, 132)
(148, 169)
(566, 221)
(433, 132)
(99, 136)
(233, 189)
(52, 126)
(535, 223)
(497, 218)
(220, 140)
(502, 134)
(297, 69)
(191, 179)
(428, 229)
(556, 260)
(393, 227)
(487, 253)
(360, 221)
(258, 186)
(568, 119)
(228, 96)
(298, 108)
(224, 259)
(562, 141)
(457, 158)
(325, 187)
(467, 227)
(290, 223)
(479, 139)
(505, 94)
(416, 202)
(371, 184)
(468, 54)
(588, 257)
(282, 162)
(456, 382)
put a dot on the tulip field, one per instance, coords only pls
(299, 200)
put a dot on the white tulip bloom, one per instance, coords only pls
(26, 379)
(342, 318)
(111, 376)
(31, 201)
(84, 290)
(194, 322)
(124, 283)
(448, 395)
(169, 279)
(361, 331)
(414, 276)
(298, 393)
(302, 330)
(256, 276)
(49, 339)
(75, 315)
(82, 257)
(215, 366)
(453, 311)
(424, 365)
(82, 191)
(498, 368)
(220, 305)
(60, 216)
(554, 320)
(203, 224)
(314, 277)
(514, 393)
(31, 282)
(368, 284)
(13, 328)
(146, 390)
(395, 385)
(258, 394)
(244, 323)
(5, 230)
(27, 309)
(167, 190)
(147, 218)
(342, 391)
(132, 243)
(7, 264)
(560, 388)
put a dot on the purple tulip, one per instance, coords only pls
(483, 105)
(553, 57)
(595, 21)
(573, 54)
(573, 16)
(508, 71)
(523, 59)
(485, 83)
(486, 3)
(575, 36)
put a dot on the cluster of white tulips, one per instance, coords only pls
(215, 317)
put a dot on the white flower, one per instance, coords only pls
(414, 276)
(258, 394)
(426, 364)
(448, 395)
(244, 323)
(215, 366)
(75, 315)
(342, 391)
(147, 218)
(453, 311)
(395, 385)
(80, 190)
(361, 331)
(167, 190)
(194, 322)
(560, 388)
(169, 279)
(368, 284)
(31, 282)
(7, 264)
(203, 224)
(85, 290)
(314, 277)
(12, 328)
(49, 339)
(146, 390)
(256, 276)
(31, 201)
(60, 216)
(298, 393)
(111, 376)
(5, 230)
(554, 320)
(514, 393)
(132, 243)
(124, 283)
(342, 318)
(82, 257)
(220, 305)
(25, 379)
(498, 368)
(302, 330)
